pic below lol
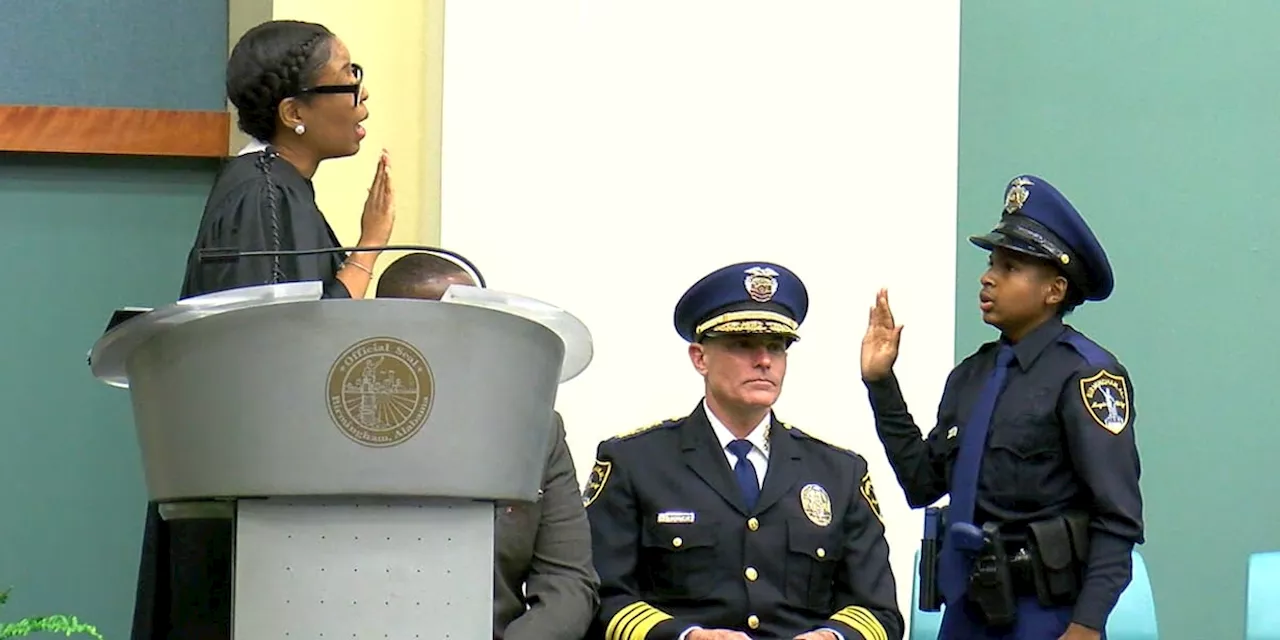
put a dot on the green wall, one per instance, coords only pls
(1159, 121)
(80, 237)
(149, 54)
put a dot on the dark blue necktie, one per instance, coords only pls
(953, 568)
(745, 472)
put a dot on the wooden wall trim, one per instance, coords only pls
(103, 131)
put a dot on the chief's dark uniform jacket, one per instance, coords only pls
(1061, 438)
(675, 547)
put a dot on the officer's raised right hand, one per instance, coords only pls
(880, 345)
(716, 634)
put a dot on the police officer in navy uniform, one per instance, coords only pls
(727, 523)
(1034, 438)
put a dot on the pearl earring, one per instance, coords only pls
(300, 129)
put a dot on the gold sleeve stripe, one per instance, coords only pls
(635, 621)
(862, 621)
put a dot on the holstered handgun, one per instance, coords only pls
(991, 583)
(930, 598)
(1060, 546)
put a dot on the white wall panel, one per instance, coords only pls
(603, 155)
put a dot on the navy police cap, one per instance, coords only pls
(744, 298)
(1040, 222)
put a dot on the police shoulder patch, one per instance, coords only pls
(595, 482)
(1105, 396)
(869, 494)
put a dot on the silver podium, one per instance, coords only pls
(360, 446)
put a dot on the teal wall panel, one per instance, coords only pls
(1159, 120)
(153, 54)
(80, 237)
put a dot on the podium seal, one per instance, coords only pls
(380, 392)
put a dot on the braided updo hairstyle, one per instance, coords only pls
(271, 62)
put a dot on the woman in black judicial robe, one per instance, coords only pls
(300, 97)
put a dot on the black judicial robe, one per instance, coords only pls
(184, 577)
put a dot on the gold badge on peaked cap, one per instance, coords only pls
(761, 283)
(380, 392)
(816, 504)
(1017, 194)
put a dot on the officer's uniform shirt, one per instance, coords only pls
(676, 547)
(1061, 436)
(759, 439)
(1050, 449)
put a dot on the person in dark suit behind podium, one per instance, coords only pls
(544, 584)
(301, 98)
(729, 524)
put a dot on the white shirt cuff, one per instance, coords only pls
(838, 635)
(685, 634)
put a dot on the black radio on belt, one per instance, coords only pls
(991, 583)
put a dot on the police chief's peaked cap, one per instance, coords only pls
(744, 298)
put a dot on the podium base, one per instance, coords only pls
(340, 570)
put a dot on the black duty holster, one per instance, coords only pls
(991, 584)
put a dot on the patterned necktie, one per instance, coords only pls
(953, 569)
(745, 472)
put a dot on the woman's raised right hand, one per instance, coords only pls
(380, 207)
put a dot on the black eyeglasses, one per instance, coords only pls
(353, 89)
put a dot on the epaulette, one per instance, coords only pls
(647, 428)
(1094, 355)
(808, 436)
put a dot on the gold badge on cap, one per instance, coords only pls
(816, 504)
(761, 283)
(1017, 194)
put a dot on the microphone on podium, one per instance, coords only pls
(222, 254)
(226, 254)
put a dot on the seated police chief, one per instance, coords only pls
(544, 587)
(729, 523)
(301, 97)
